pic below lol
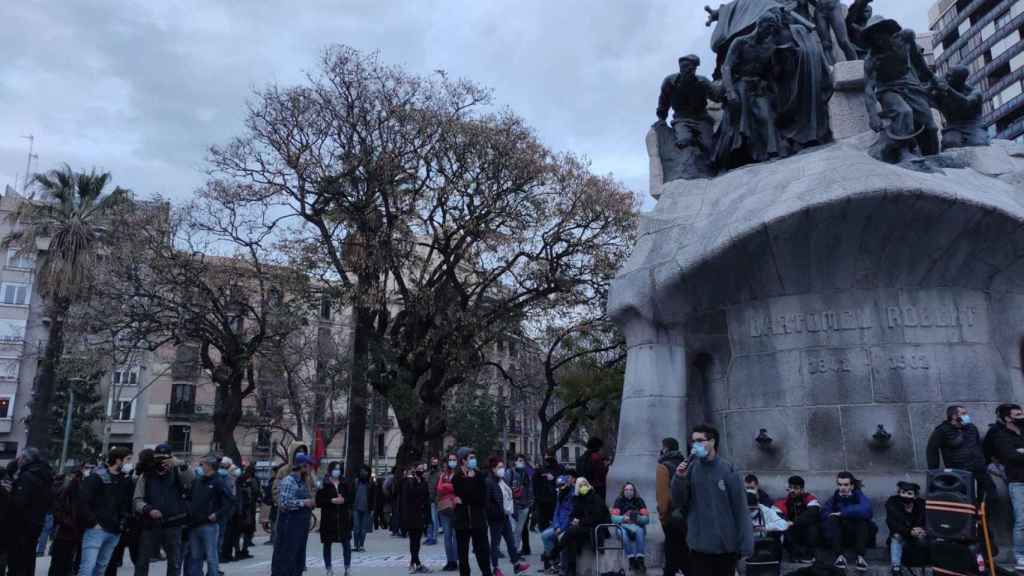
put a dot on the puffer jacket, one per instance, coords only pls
(960, 448)
(563, 511)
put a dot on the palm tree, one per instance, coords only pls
(68, 224)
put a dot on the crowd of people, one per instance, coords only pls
(197, 517)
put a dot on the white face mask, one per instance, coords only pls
(127, 468)
(499, 472)
(520, 465)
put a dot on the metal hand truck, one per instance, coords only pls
(600, 547)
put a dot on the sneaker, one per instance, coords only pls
(862, 565)
(450, 567)
(329, 572)
(840, 562)
(897, 571)
(347, 571)
(501, 555)
(430, 543)
(497, 572)
(642, 564)
(412, 568)
(521, 567)
(421, 569)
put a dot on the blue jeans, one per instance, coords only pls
(44, 536)
(360, 526)
(548, 538)
(97, 548)
(290, 543)
(633, 540)
(501, 530)
(896, 550)
(203, 545)
(451, 547)
(432, 528)
(346, 550)
(1017, 500)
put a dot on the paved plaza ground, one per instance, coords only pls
(385, 556)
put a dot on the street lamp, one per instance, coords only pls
(67, 421)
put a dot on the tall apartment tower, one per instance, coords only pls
(985, 36)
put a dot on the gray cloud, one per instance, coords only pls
(142, 89)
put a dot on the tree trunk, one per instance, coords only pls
(46, 379)
(226, 416)
(355, 448)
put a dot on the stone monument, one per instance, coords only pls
(823, 309)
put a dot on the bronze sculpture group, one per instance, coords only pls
(773, 78)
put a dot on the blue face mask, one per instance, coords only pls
(471, 463)
(700, 450)
(453, 464)
(335, 473)
(222, 471)
(965, 419)
(199, 471)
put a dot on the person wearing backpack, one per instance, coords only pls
(161, 499)
(591, 465)
(673, 522)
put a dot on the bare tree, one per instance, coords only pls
(442, 223)
(207, 275)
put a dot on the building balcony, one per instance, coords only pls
(189, 411)
(6, 425)
(123, 427)
(261, 452)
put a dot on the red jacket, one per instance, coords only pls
(809, 500)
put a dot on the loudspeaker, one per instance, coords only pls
(956, 559)
(950, 480)
(949, 511)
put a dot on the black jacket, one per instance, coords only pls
(960, 448)
(335, 519)
(590, 510)
(1008, 448)
(473, 494)
(5, 510)
(899, 520)
(544, 490)
(32, 495)
(414, 504)
(210, 495)
(495, 501)
(106, 499)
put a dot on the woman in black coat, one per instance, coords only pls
(415, 506)
(470, 513)
(334, 501)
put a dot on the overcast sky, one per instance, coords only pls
(142, 89)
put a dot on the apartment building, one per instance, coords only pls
(985, 36)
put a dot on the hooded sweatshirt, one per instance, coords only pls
(715, 502)
(286, 470)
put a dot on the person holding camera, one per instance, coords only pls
(160, 498)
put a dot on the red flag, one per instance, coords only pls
(319, 448)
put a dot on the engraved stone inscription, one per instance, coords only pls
(810, 322)
(829, 365)
(925, 317)
(909, 361)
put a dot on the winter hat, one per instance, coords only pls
(463, 452)
(225, 461)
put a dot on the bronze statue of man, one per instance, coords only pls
(961, 106)
(830, 18)
(897, 101)
(687, 94)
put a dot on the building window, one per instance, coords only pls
(9, 368)
(578, 452)
(565, 453)
(325, 308)
(380, 446)
(12, 331)
(124, 411)
(179, 436)
(20, 261)
(5, 407)
(126, 377)
(13, 293)
(8, 450)
(263, 437)
(183, 398)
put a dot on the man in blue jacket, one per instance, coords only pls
(560, 521)
(211, 501)
(847, 520)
